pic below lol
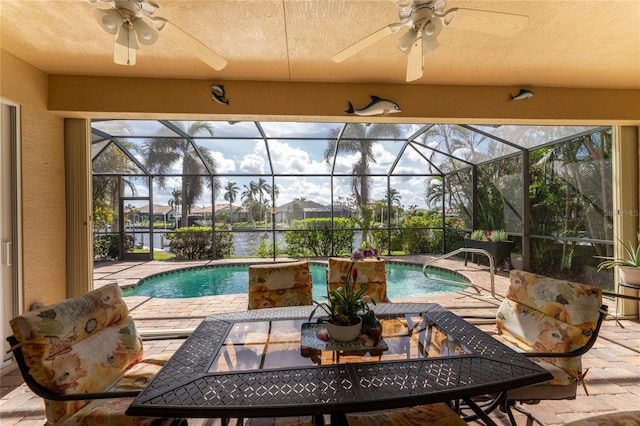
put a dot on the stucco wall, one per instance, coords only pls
(43, 182)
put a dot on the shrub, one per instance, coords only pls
(224, 243)
(381, 241)
(106, 247)
(423, 234)
(195, 242)
(312, 237)
(417, 237)
(265, 249)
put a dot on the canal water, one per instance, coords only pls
(244, 243)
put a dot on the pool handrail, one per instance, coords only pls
(453, 253)
(170, 333)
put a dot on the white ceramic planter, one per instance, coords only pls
(629, 275)
(631, 278)
(344, 333)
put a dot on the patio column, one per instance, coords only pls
(625, 203)
(77, 152)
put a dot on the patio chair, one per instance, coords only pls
(621, 418)
(439, 414)
(84, 357)
(371, 272)
(554, 322)
(279, 284)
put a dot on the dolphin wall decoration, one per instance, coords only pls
(377, 106)
(217, 94)
(522, 94)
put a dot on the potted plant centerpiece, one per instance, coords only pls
(629, 266)
(496, 242)
(345, 304)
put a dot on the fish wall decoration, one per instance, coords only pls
(377, 106)
(522, 94)
(217, 94)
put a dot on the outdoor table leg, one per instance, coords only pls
(481, 414)
(486, 406)
(339, 419)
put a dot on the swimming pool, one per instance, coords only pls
(402, 281)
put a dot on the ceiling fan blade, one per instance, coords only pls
(364, 43)
(205, 54)
(498, 23)
(415, 63)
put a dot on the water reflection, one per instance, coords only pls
(244, 243)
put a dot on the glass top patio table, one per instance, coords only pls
(259, 363)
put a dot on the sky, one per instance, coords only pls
(246, 159)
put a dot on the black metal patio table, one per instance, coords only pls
(255, 364)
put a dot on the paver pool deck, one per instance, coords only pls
(613, 380)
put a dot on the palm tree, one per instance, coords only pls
(454, 191)
(248, 197)
(164, 150)
(230, 195)
(393, 197)
(379, 207)
(175, 201)
(434, 194)
(361, 139)
(107, 189)
(263, 188)
(275, 192)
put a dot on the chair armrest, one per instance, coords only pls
(576, 352)
(47, 393)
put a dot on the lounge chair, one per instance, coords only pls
(371, 272)
(439, 414)
(84, 357)
(553, 322)
(279, 284)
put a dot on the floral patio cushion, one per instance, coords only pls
(623, 418)
(371, 272)
(541, 314)
(424, 415)
(88, 343)
(279, 284)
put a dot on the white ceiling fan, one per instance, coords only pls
(425, 20)
(132, 22)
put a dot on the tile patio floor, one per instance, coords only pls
(613, 381)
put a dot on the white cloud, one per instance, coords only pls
(284, 157)
(313, 189)
(253, 163)
(384, 159)
(223, 165)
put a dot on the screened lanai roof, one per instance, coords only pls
(303, 148)
(298, 157)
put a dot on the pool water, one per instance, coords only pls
(402, 281)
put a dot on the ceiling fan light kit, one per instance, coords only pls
(126, 20)
(425, 20)
(132, 22)
(407, 41)
(109, 20)
(124, 49)
(147, 34)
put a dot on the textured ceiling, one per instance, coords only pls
(581, 43)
